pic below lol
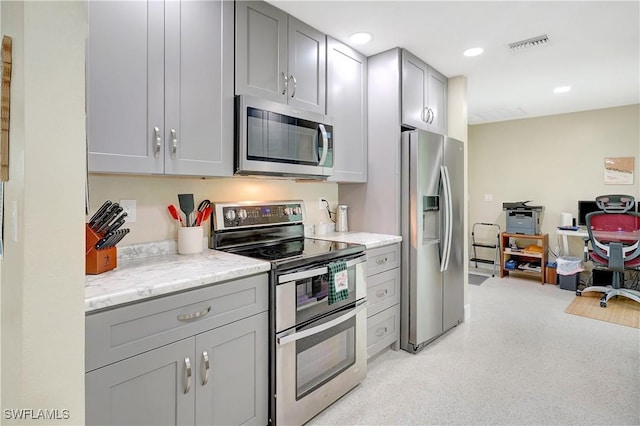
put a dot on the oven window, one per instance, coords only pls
(323, 356)
(311, 296)
(280, 138)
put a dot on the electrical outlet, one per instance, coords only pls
(321, 204)
(129, 207)
(488, 197)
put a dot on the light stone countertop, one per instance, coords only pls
(154, 269)
(140, 278)
(368, 239)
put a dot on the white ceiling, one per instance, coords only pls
(594, 47)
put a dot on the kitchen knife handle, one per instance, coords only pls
(158, 141)
(187, 366)
(205, 358)
(102, 241)
(174, 143)
(99, 212)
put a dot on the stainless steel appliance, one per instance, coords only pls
(432, 189)
(342, 223)
(317, 349)
(280, 140)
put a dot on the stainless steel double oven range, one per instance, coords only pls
(317, 350)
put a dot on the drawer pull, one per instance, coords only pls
(195, 315)
(187, 366)
(381, 332)
(205, 358)
(381, 261)
(381, 293)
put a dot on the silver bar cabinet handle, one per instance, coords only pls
(158, 141)
(285, 84)
(433, 116)
(174, 143)
(295, 85)
(195, 315)
(187, 366)
(205, 358)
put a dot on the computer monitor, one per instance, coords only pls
(587, 206)
(584, 208)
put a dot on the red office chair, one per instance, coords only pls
(614, 233)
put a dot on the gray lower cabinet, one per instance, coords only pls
(159, 95)
(383, 298)
(198, 357)
(279, 57)
(347, 105)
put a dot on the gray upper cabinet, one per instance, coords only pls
(279, 57)
(424, 95)
(347, 105)
(159, 95)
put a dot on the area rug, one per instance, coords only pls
(618, 311)
(477, 279)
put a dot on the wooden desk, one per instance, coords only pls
(506, 253)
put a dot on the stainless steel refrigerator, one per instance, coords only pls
(432, 191)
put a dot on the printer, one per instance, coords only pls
(522, 218)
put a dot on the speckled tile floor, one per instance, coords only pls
(520, 359)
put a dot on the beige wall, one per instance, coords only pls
(154, 193)
(553, 161)
(43, 266)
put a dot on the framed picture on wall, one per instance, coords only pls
(618, 170)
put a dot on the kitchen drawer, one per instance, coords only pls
(383, 291)
(383, 329)
(382, 259)
(122, 332)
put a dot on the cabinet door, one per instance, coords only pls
(125, 86)
(414, 91)
(347, 105)
(261, 50)
(438, 88)
(198, 88)
(147, 389)
(307, 67)
(235, 391)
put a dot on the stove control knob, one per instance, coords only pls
(297, 210)
(242, 214)
(230, 214)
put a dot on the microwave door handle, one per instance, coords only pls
(322, 327)
(325, 144)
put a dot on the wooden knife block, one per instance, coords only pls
(98, 261)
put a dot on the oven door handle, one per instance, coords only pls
(360, 306)
(314, 272)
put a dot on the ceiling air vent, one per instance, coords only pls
(528, 43)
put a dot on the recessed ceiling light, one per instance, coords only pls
(562, 89)
(474, 51)
(360, 38)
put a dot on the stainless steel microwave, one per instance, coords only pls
(279, 140)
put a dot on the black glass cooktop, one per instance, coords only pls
(302, 250)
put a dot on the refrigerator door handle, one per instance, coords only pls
(449, 207)
(445, 240)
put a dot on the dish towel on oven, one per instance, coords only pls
(338, 282)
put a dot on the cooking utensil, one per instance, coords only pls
(97, 222)
(203, 215)
(99, 212)
(113, 212)
(117, 223)
(201, 208)
(187, 204)
(174, 214)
